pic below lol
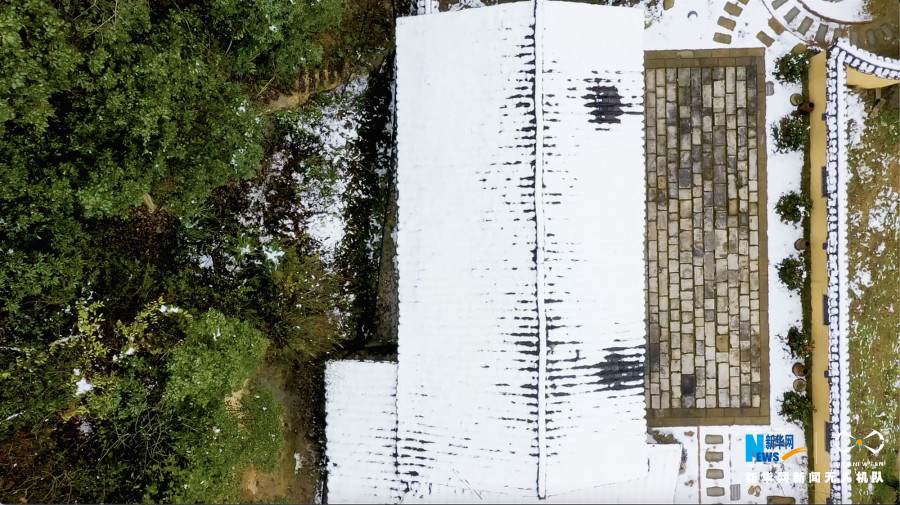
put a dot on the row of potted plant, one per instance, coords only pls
(791, 133)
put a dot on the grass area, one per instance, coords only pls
(874, 251)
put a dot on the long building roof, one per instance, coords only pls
(520, 250)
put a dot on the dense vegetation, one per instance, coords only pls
(136, 302)
(874, 270)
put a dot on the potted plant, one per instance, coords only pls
(800, 370)
(792, 67)
(796, 407)
(799, 343)
(793, 206)
(790, 133)
(792, 273)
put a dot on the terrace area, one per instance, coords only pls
(706, 201)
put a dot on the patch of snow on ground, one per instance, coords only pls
(13, 416)
(298, 463)
(466, 4)
(687, 485)
(272, 254)
(844, 10)
(337, 128)
(205, 261)
(675, 30)
(83, 386)
(856, 112)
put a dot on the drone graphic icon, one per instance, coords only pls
(861, 442)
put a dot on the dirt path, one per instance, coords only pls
(298, 477)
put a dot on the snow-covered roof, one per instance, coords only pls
(840, 57)
(522, 308)
(520, 250)
(361, 427)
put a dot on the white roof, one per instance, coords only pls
(657, 486)
(520, 250)
(361, 427)
(521, 338)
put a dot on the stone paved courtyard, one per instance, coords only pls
(706, 249)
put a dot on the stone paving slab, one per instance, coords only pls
(708, 356)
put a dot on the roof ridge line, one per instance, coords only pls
(539, 248)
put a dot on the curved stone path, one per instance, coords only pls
(811, 28)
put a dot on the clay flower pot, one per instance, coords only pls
(796, 99)
(801, 244)
(800, 385)
(807, 107)
(800, 370)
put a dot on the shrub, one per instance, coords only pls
(790, 134)
(792, 273)
(792, 67)
(796, 407)
(793, 206)
(799, 342)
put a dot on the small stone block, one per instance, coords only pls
(776, 26)
(688, 384)
(726, 23)
(722, 38)
(792, 14)
(763, 37)
(713, 456)
(714, 439)
(715, 491)
(821, 33)
(733, 9)
(715, 473)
